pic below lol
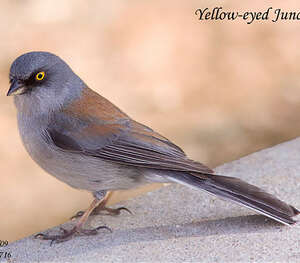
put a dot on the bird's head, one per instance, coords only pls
(42, 79)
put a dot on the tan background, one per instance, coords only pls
(220, 90)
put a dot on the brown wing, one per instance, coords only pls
(143, 147)
(91, 130)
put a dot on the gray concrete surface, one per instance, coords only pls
(178, 224)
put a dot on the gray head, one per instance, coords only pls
(42, 82)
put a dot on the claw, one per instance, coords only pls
(110, 211)
(104, 227)
(125, 209)
(78, 214)
(39, 235)
(98, 210)
(78, 229)
(68, 234)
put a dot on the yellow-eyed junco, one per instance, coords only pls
(87, 142)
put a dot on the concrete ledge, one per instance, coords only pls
(179, 224)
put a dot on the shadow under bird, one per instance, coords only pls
(84, 140)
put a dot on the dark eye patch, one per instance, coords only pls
(31, 81)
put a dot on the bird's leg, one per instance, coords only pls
(102, 207)
(78, 228)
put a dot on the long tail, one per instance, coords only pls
(240, 192)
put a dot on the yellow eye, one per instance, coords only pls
(40, 76)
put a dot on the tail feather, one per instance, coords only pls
(240, 192)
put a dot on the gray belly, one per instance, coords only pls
(79, 171)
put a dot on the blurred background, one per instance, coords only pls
(220, 90)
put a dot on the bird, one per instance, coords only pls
(87, 142)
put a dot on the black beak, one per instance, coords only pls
(16, 87)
